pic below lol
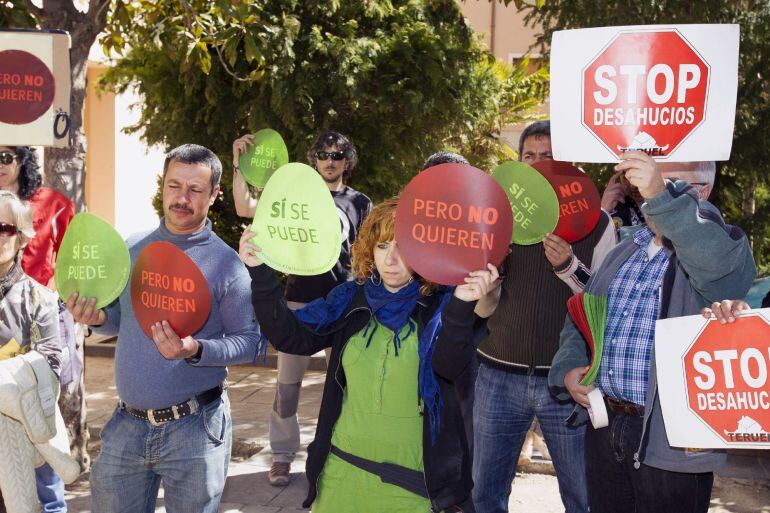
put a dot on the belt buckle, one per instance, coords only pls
(151, 419)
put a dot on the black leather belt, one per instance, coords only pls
(624, 407)
(159, 416)
(528, 371)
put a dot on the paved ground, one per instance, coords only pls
(247, 490)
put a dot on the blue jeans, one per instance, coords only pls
(189, 455)
(503, 411)
(50, 490)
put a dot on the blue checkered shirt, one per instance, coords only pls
(633, 301)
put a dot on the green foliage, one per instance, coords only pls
(14, 14)
(742, 189)
(402, 78)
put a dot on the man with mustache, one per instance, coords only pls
(334, 156)
(173, 424)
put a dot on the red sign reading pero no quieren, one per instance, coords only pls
(27, 87)
(166, 285)
(579, 201)
(452, 219)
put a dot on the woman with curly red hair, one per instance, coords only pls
(390, 436)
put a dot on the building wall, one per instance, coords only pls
(99, 126)
(501, 26)
(121, 171)
(503, 30)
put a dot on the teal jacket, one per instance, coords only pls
(708, 261)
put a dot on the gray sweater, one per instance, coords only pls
(709, 261)
(144, 378)
(29, 320)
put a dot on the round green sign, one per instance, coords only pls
(267, 153)
(297, 223)
(92, 260)
(533, 201)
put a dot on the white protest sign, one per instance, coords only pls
(34, 88)
(668, 90)
(713, 380)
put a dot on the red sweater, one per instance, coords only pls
(51, 213)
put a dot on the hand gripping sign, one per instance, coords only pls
(267, 154)
(532, 200)
(579, 202)
(452, 219)
(166, 285)
(297, 223)
(92, 260)
(667, 90)
(713, 381)
(34, 88)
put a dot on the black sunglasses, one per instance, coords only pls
(6, 157)
(335, 155)
(8, 229)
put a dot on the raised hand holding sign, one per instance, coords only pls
(296, 223)
(92, 260)
(452, 219)
(266, 154)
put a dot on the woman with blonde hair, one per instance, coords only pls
(390, 435)
(29, 313)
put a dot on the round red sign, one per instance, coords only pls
(27, 87)
(646, 90)
(166, 285)
(452, 219)
(579, 202)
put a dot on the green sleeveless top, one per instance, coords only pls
(380, 421)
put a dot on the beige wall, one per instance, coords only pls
(99, 125)
(505, 34)
(121, 170)
(502, 27)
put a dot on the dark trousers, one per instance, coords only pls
(615, 486)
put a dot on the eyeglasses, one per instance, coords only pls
(6, 157)
(335, 155)
(8, 229)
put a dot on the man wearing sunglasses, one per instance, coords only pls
(334, 156)
(51, 213)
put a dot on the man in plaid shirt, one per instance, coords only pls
(686, 258)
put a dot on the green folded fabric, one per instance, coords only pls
(596, 314)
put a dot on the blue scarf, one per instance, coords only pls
(392, 310)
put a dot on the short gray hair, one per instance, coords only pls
(22, 216)
(707, 171)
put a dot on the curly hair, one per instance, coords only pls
(30, 179)
(379, 226)
(343, 144)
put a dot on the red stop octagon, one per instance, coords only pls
(727, 369)
(646, 90)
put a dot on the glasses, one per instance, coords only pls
(6, 157)
(8, 229)
(335, 155)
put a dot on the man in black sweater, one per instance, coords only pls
(512, 383)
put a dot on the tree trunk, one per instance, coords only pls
(65, 167)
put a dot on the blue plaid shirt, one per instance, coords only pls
(633, 301)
